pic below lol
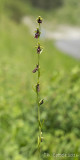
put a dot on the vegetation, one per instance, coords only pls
(18, 110)
(67, 13)
(46, 4)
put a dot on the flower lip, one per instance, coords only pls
(37, 88)
(36, 69)
(39, 49)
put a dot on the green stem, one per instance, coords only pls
(39, 148)
(38, 67)
(38, 111)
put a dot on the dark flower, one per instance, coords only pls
(37, 34)
(39, 19)
(37, 87)
(41, 102)
(38, 49)
(36, 69)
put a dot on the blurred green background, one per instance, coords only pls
(60, 83)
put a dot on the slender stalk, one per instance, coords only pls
(39, 49)
(39, 148)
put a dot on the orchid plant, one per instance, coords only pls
(37, 69)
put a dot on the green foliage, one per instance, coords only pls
(46, 4)
(67, 13)
(62, 113)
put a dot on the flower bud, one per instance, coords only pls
(41, 102)
(42, 139)
(39, 20)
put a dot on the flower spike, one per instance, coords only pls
(39, 49)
